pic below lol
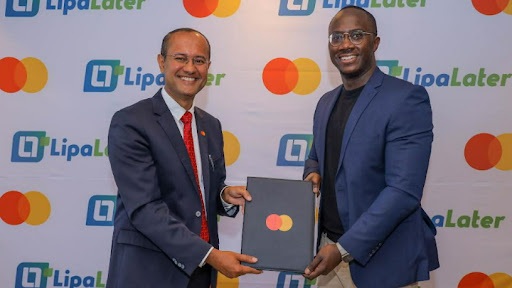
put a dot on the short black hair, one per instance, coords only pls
(165, 41)
(369, 15)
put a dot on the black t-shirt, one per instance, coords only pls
(329, 218)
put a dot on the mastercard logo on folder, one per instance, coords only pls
(279, 222)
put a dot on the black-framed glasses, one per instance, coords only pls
(183, 59)
(355, 37)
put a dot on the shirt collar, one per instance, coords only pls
(176, 110)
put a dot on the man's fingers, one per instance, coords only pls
(249, 270)
(310, 177)
(313, 265)
(239, 192)
(247, 196)
(315, 188)
(315, 179)
(236, 201)
(246, 258)
(312, 275)
(316, 267)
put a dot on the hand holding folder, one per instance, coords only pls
(279, 224)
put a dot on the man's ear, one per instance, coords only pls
(160, 59)
(376, 43)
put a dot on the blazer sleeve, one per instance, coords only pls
(407, 152)
(311, 164)
(221, 209)
(135, 174)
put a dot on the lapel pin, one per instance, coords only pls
(202, 133)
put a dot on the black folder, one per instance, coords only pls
(279, 224)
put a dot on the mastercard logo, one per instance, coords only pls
(205, 8)
(493, 7)
(32, 208)
(279, 222)
(481, 280)
(29, 75)
(484, 151)
(282, 76)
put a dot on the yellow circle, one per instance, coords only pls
(505, 162)
(287, 223)
(309, 76)
(231, 148)
(226, 8)
(225, 282)
(39, 208)
(501, 280)
(37, 75)
(508, 9)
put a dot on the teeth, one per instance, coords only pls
(348, 57)
(188, 79)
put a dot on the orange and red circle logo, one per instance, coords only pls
(481, 280)
(204, 8)
(279, 222)
(493, 7)
(32, 208)
(29, 75)
(484, 151)
(282, 76)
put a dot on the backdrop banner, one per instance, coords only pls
(67, 65)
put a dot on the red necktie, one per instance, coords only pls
(189, 143)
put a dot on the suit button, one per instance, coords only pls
(198, 214)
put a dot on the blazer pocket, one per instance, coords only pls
(214, 161)
(131, 237)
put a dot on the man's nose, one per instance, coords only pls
(189, 66)
(346, 43)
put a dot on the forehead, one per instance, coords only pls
(350, 19)
(188, 43)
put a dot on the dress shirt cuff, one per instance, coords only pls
(204, 259)
(342, 250)
(228, 207)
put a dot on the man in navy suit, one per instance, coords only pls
(370, 154)
(168, 163)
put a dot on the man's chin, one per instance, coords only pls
(350, 74)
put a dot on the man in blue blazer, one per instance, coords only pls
(168, 163)
(369, 158)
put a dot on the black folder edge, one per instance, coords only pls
(255, 265)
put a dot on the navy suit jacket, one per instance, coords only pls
(379, 182)
(157, 223)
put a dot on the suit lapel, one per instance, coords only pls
(203, 148)
(369, 91)
(323, 124)
(166, 121)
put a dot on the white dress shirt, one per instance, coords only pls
(177, 112)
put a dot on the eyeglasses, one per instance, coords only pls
(355, 37)
(183, 59)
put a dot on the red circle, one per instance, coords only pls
(490, 7)
(13, 75)
(280, 76)
(483, 151)
(476, 280)
(14, 208)
(274, 222)
(200, 8)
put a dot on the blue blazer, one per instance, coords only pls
(155, 241)
(379, 182)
